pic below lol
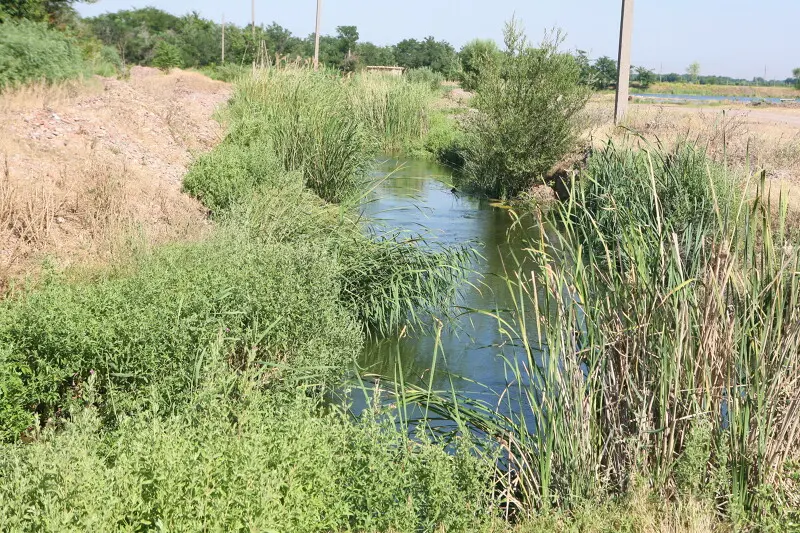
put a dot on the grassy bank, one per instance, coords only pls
(655, 348)
(222, 348)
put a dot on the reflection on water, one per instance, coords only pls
(416, 196)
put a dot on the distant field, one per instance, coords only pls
(721, 90)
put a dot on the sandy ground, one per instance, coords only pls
(750, 138)
(92, 170)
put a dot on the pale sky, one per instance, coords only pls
(738, 38)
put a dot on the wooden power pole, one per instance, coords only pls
(624, 61)
(223, 38)
(316, 35)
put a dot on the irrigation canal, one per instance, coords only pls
(472, 353)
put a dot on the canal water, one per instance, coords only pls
(416, 196)
(690, 98)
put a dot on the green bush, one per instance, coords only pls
(425, 76)
(477, 57)
(260, 464)
(166, 56)
(258, 301)
(34, 52)
(230, 173)
(527, 117)
(310, 121)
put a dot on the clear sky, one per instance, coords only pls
(737, 38)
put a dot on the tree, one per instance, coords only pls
(645, 77)
(477, 58)
(166, 56)
(51, 11)
(605, 73)
(796, 74)
(372, 55)
(693, 71)
(527, 120)
(348, 37)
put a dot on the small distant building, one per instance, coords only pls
(391, 71)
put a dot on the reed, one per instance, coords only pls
(666, 350)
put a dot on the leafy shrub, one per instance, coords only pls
(230, 173)
(166, 56)
(425, 76)
(526, 123)
(34, 52)
(272, 303)
(478, 57)
(266, 464)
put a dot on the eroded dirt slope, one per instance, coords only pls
(92, 170)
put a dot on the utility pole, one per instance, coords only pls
(624, 61)
(316, 35)
(253, 17)
(223, 38)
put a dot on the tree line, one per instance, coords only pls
(150, 36)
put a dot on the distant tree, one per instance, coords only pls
(166, 56)
(281, 41)
(693, 72)
(587, 72)
(134, 33)
(372, 55)
(645, 77)
(605, 73)
(348, 37)
(439, 56)
(477, 58)
(51, 11)
(796, 74)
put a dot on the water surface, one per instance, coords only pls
(416, 196)
(705, 98)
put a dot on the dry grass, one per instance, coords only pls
(91, 170)
(747, 138)
(44, 95)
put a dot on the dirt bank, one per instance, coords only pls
(92, 170)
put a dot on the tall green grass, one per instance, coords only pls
(396, 110)
(657, 339)
(309, 121)
(31, 52)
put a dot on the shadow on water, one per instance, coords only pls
(474, 355)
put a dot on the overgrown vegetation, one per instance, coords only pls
(286, 288)
(33, 52)
(656, 340)
(527, 116)
(236, 458)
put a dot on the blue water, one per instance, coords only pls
(704, 98)
(472, 354)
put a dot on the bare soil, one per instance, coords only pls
(92, 170)
(749, 138)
